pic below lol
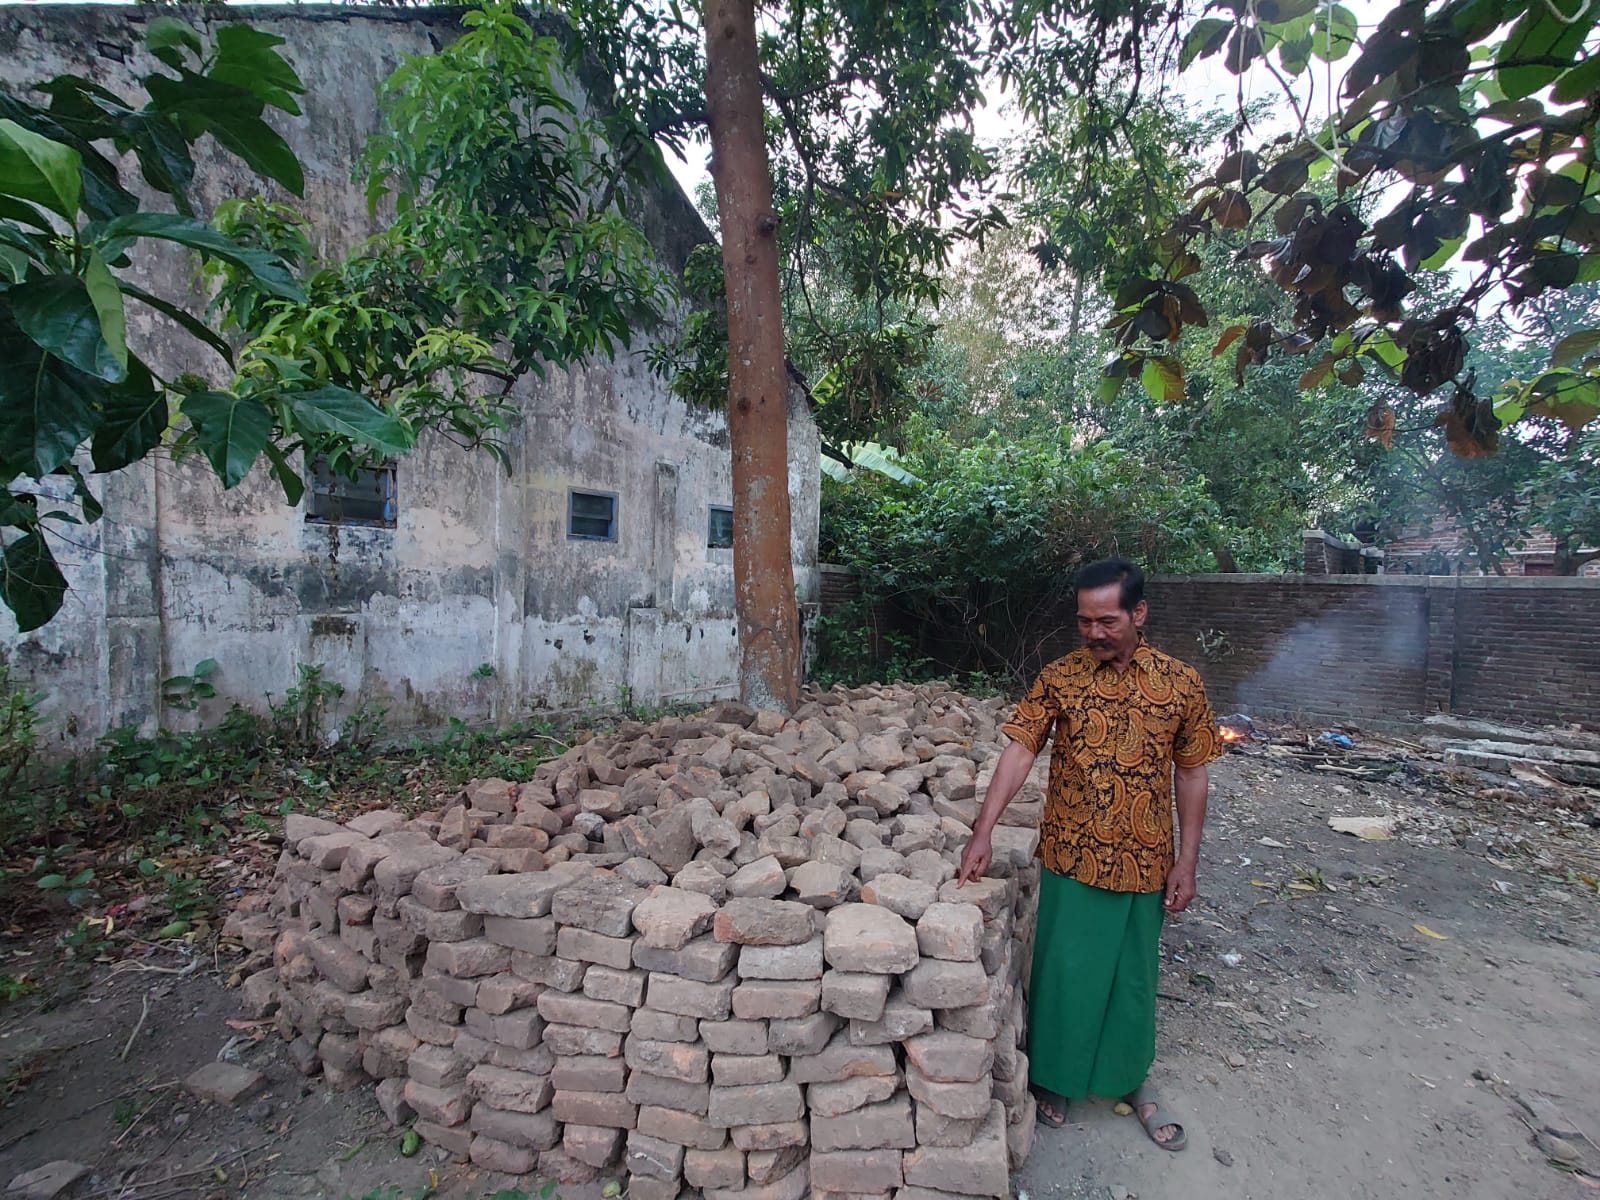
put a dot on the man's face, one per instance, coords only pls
(1109, 630)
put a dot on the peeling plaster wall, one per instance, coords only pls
(478, 569)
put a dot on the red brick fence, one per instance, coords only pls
(1384, 648)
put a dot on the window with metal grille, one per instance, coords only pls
(592, 516)
(719, 534)
(336, 499)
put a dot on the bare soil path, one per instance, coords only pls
(1313, 1041)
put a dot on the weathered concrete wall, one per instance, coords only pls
(478, 568)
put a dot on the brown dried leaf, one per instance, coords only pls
(1380, 424)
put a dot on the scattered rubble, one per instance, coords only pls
(727, 951)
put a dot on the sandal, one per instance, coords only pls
(1058, 1103)
(1142, 1096)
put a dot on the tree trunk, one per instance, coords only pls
(758, 411)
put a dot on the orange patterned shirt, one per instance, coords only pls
(1118, 734)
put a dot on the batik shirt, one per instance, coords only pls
(1118, 734)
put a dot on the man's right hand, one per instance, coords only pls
(975, 858)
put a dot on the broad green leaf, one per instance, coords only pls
(59, 315)
(1540, 42)
(47, 410)
(267, 269)
(13, 209)
(37, 169)
(185, 319)
(232, 115)
(106, 296)
(132, 422)
(248, 58)
(1446, 251)
(1578, 83)
(169, 37)
(1277, 12)
(230, 430)
(1508, 409)
(13, 264)
(1204, 40)
(348, 414)
(1295, 55)
(288, 478)
(1335, 33)
(31, 584)
(1574, 346)
(1162, 378)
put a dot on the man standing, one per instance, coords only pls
(1127, 720)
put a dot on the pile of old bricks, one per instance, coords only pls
(727, 952)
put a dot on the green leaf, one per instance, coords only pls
(1335, 33)
(58, 315)
(248, 58)
(47, 409)
(132, 422)
(1446, 251)
(1540, 34)
(268, 270)
(288, 478)
(1579, 83)
(106, 296)
(205, 667)
(187, 320)
(232, 115)
(231, 431)
(31, 584)
(1162, 378)
(1204, 40)
(13, 264)
(168, 37)
(1574, 346)
(40, 170)
(1276, 12)
(344, 413)
(82, 878)
(49, 883)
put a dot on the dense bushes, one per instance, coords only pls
(977, 558)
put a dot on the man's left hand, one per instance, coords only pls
(1180, 887)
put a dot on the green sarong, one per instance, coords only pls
(1092, 1028)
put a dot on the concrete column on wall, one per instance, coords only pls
(644, 633)
(664, 537)
(511, 574)
(135, 656)
(1316, 552)
(1371, 560)
(1439, 688)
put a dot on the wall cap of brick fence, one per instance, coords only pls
(1432, 582)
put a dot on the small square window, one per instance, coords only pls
(719, 534)
(335, 499)
(592, 516)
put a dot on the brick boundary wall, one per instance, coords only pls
(1375, 648)
(1384, 649)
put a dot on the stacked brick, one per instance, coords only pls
(726, 953)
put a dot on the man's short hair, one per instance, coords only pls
(1113, 570)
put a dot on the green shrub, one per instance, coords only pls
(978, 557)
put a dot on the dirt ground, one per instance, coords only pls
(1313, 1041)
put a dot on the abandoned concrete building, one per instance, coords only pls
(598, 568)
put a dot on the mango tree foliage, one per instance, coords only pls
(879, 177)
(509, 250)
(1463, 136)
(75, 396)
